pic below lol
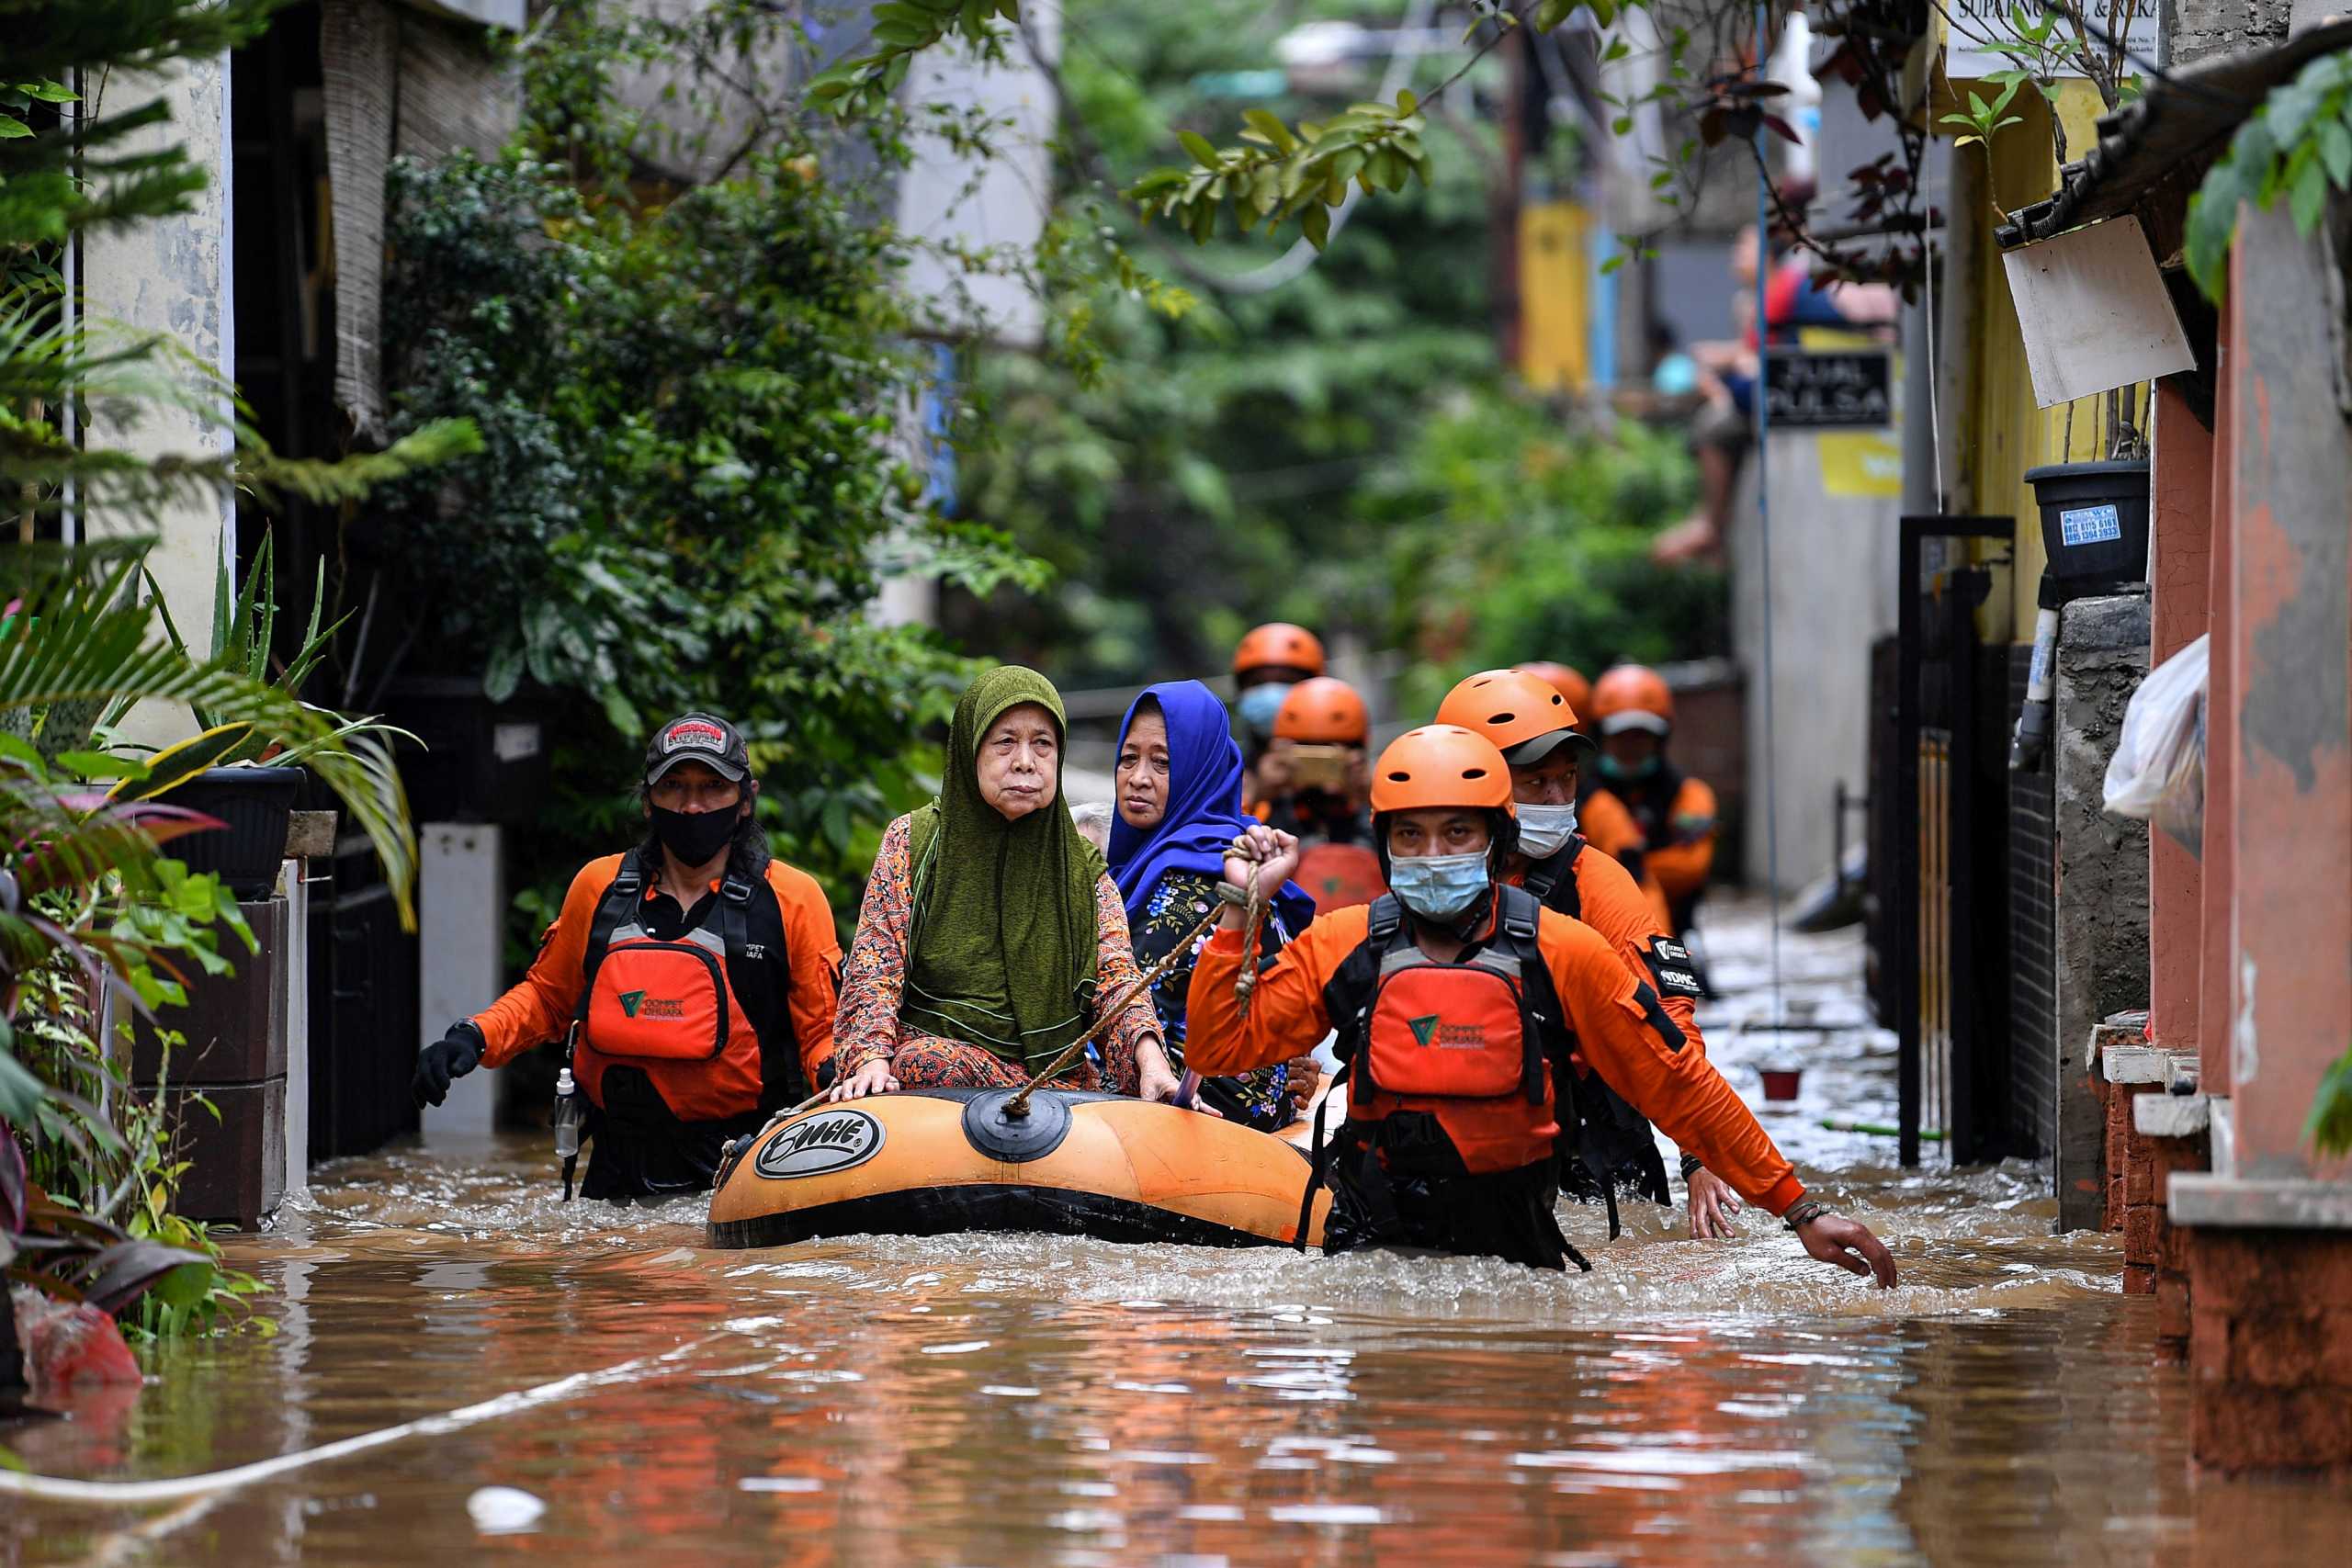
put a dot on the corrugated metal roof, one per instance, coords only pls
(2174, 133)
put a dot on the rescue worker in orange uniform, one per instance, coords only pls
(1536, 729)
(1321, 756)
(1461, 1005)
(1567, 680)
(1674, 813)
(1269, 661)
(696, 976)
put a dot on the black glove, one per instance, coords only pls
(453, 1055)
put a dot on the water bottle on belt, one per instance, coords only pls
(570, 1112)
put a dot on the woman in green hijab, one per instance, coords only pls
(991, 932)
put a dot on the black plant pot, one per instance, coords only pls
(2094, 522)
(253, 804)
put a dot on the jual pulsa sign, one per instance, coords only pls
(1833, 389)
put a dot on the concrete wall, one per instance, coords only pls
(1831, 594)
(2102, 914)
(2181, 519)
(2201, 29)
(173, 274)
(2291, 749)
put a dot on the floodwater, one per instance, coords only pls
(1016, 1400)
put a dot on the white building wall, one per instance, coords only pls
(1831, 594)
(172, 274)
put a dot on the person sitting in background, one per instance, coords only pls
(1674, 813)
(1179, 808)
(1269, 661)
(1094, 822)
(991, 934)
(1536, 729)
(675, 1053)
(1464, 1009)
(1323, 747)
(1726, 374)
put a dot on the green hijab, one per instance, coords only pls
(1003, 944)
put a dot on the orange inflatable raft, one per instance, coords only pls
(934, 1162)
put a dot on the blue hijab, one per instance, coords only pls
(1204, 814)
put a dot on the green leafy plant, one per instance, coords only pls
(2298, 144)
(2328, 1129)
(902, 29)
(245, 624)
(693, 476)
(1286, 173)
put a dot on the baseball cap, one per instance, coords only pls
(1635, 719)
(1529, 753)
(702, 738)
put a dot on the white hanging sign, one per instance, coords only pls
(2094, 312)
(1975, 24)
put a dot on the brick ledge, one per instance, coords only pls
(2198, 1199)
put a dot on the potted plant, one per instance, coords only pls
(230, 770)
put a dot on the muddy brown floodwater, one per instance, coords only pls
(1015, 1400)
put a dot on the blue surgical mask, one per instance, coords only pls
(1438, 887)
(1258, 706)
(1543, 828)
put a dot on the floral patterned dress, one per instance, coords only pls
(867, 1029)
(1179, 902)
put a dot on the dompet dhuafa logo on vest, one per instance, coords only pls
(635, 1005)
(1432, 1030)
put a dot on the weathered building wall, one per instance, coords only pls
(2180, 518)
(2270, 1229)
(173, 274)
(2199, 29)
(2102, 900)
(1831, 595)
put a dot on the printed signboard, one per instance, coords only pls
(1976, 23)
(1843, 390)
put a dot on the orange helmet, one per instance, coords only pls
(1278, 645)
(1441, 765)
(1522, 715)
(1632, 696)
(1567, 680)
(1324, 711)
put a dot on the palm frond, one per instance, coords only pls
(79, 639)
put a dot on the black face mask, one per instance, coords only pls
(694, 837)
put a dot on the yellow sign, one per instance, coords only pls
(1861, 463)
(1554, 295)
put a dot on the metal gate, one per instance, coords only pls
(1950, 795)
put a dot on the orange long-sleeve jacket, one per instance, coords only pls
(1680, 859)
(1676, 1088)
(542, 1006)
(1673, 857)
(1612, 903)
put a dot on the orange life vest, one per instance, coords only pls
(1462, 1043)
(1339, 876)
(668, 1008)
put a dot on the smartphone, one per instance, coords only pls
(1320, 767)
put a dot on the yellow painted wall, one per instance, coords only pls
(1554, 295)
(2001, 433)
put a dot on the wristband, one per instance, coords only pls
(1237, 897)
(1803, 1214)
(1691, 1166)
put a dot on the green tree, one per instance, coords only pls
(693, 476)
(1200, 476)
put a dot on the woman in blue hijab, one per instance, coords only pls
(1178, 810)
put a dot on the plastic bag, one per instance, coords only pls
(2159, 770)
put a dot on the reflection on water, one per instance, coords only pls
(1006, 1400)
